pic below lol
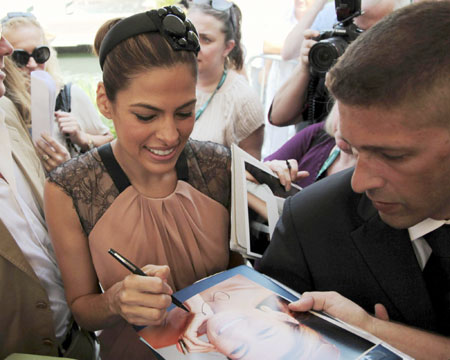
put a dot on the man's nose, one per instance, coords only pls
(366, 176)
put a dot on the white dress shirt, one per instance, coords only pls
(420, 245)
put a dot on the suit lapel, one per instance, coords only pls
(11, 252)
(8, 246)
(6, 163)
(388, 253)
(21, 151)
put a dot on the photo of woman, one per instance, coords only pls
(240, 319)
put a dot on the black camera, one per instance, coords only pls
(332, 44)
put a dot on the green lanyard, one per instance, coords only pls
(205, 105)
(334, 154)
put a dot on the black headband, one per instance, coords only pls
(169, 21)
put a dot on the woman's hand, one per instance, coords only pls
(68, 125)
(201, 312)
(51, 153)
(142, 300)
(287, 174)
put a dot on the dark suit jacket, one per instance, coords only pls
(332, 239)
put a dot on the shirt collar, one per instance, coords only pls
(424, 227)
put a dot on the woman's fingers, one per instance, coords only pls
(51, 153)
(143, 300)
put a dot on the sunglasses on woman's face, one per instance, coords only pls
(41, 54)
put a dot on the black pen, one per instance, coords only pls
(135, 270)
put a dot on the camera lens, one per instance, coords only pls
(324, 54)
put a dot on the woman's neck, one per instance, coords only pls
(147, 184)
(343, 161)
(207, 82)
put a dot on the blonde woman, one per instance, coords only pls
(78, 130)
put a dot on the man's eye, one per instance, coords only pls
(392, 157)
(185, 115)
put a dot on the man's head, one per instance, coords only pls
(392, 91)
(5, 50)
(375, 10)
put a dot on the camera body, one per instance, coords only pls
(332, 44)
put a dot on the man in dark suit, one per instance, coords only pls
(369, 234)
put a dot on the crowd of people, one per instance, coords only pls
(366, 239)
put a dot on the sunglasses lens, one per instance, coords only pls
(221, 5)
(41, 54)
(20, 57)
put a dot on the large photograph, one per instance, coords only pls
(237, 316)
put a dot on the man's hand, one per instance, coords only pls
(335, 305)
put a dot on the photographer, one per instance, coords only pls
(289, 102)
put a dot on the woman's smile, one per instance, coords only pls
(162, 153)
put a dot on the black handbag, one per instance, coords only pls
(63, 102)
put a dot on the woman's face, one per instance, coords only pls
(153, 117)
(213, 48)
(28, 38)
(251, 335)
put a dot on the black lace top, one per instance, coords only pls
(87, 181)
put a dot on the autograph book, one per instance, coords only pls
(256, 203)
(242, 314)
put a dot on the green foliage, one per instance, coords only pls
(161, 3)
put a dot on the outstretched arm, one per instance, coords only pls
(417, 343)
(293, 42)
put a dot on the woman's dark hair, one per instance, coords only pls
(135, 55)
(231, 20)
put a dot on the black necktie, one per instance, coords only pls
(437, 275)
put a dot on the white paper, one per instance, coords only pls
(240, 238)
(43, 99)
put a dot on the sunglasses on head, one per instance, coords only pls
(16, 14)
(41, 54)
(220, 5)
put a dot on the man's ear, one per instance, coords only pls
(230, 46)
(103, 103)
